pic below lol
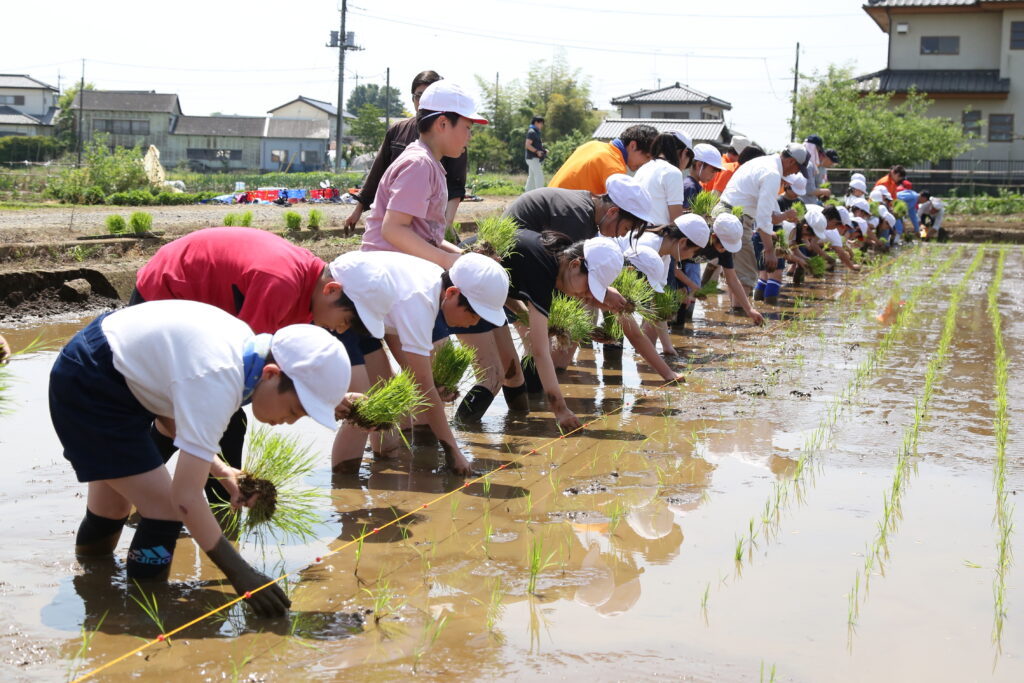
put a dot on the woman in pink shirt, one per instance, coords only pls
(408, 213)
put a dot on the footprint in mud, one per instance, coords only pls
(586, 489)
(800, 394)
(740, 389)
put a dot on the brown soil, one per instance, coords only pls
(266, 501)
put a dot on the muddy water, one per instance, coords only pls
(635, 526)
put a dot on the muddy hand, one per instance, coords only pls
(268, 602)
(343, 409)
(756, 317)
(455, 459)
(5, 350)
(567, 421)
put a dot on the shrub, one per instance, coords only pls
(29, 148)
(94, 195)
(117, 170)
(316, 217)
(229, 220)
(292, 220)
(116, 224)
(141, 222)
(246, 219)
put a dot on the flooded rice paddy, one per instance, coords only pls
(778, 517)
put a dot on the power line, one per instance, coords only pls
(687, 15)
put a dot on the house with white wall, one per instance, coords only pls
(27, 106)
(674, 107)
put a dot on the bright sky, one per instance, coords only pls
(244, 58)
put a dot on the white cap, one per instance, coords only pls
(879, 193)
(647, 261)
(604, 263)
(683, 138)
(844, 216)
(858, 184)
(887, 216)
(729, 229)
(629, 195)
(861, 225)
(874, 221)
(709, 154)
(860, 203)
(446, 96)
(695, 228)
(317, 364)
(484, 283)
(370, 287)
(817, 221)
(739, 143)
(798, 182)
(798, 152)
(858, 176)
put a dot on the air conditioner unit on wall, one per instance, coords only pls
(902, 28)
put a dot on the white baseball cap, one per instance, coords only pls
(648, 262)
(799, 153)
(709, 154)
(879, 193)
(858, 176)
(317, 364)
(887, 216)
(817, 221)
(484, 283)
(858, 184)
(739, 143)
(370, 287)
(604, 263)
(860, 224)
(860, 203)
(874, 221)
(445, 96)
(844, 216)
(629, 195)
(695, 228)
(683, 138)
(798, 182)
(729, 229)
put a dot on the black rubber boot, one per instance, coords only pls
(98, 535)
(474, 404)
(152, 549)
(533, 383)
(516, 398)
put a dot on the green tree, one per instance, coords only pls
(378, 96)
(487, 152)
(66, 131)
(875, 130)
(369, 127)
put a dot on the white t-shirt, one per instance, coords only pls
(648, 239)
(664, 182)
(418, 283)
(183, 360)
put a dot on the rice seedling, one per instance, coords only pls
(496, 236)
(451, 233)
(569, 321)
(900, 209)
(229, 220)
(616, 511)
(274, 467)
(704, 598)
(801, 210)
(711, 287)
(450, 364)
(737, 211)
(639, 297)
(771, 674)
(704, 203)
(817, 265)
(738, 554)
(140, 222)
(536, 562)
(359, 550)
(84, 646)
(315, 219)
(245, 220)
(149, 606)
(37, 345)
(382, 597)
(387, 402)
(292, 221)
(430, 635)
(116, 224)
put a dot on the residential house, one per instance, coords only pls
(674, 107)
(27, 106)
(967, 56)
(129, 117)
(304, 108)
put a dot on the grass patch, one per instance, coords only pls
(141, 222)
(116, 224)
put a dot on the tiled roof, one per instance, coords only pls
(319, 104)
(936, 81)
(672, 94)
(23, 81)
(227, 126)
(298, 129)
(12, 117)
(701, 130)
(929, 3)
(128, 100)
(879, 9)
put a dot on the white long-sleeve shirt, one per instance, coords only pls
(755, 186)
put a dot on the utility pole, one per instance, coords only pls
(496, 77)
(796, 84)
(81, 113)
(387, 98)
(343, 41)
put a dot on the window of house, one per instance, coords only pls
(940, 45)
(213, 154)
(1000, 128)
(972, 123)
(278, 156)
(310, 156)
(12, 99)
(120, 127)
(670, 115)
(1017, 35)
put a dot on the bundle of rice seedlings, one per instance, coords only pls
(708, 289)
(639, 297)
(451, 233)
(609, 331)
(229, 220)
(817, 265)
(450, 363)
(141, 222)
(496, 236)
(737, 211)
(703, 203)
(834, 202)
(874, 207)
(569, 320)
(37, 345)
(667, 303)
(246, 219)
(387, 402)
(116, 224)
(274, 467)
(801, 210)
(900, 209)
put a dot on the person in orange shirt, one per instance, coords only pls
(891, 181)
(730, 162)
(590, 165)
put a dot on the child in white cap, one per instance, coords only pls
(408, 212)
(727, 239)
(188, 366)
(428, 300)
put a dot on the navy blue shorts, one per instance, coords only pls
(759, 254)
(104, 429)
(359, 347)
